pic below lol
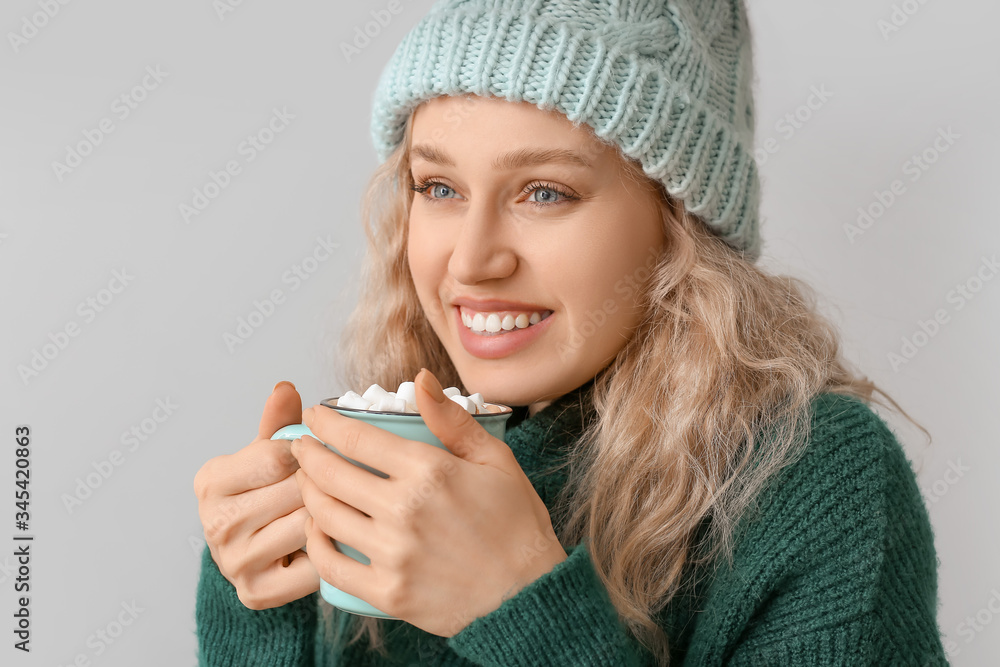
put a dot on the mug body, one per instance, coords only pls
(406, 425)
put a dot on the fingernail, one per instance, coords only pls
(294, 447)
(308, 416)
(432, 386)
(281, 383)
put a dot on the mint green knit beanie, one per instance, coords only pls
(668, 82)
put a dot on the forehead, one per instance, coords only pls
(491, 124)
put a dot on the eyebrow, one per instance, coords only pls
(506, 161)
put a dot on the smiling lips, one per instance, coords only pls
(496, 328)
(477, 335)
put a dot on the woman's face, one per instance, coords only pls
(527, 245)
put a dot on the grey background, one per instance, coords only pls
(137, 537)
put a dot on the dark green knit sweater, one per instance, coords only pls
(838, 568)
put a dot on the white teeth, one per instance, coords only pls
(491, 323)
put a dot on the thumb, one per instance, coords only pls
(451, 423)
(283, 407)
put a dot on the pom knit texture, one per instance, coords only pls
(838, 567)
(668, 82)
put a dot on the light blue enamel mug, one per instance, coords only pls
(406, 425)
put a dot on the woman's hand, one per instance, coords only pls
(450, 536)
(253, 515)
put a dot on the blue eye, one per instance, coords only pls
(553, 195)
(550, 195)
(440, 191)
(434, 187)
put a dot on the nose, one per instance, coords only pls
(482, 249)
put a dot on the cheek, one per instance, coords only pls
(427, 260)
(610, 306)
(417, 257)
(607, 295)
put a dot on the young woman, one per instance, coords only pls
(565, 221)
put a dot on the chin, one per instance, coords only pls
(505, 388)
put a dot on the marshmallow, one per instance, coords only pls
(404, 400)
(389, 403)
(374, 393)
(408, 392)
(469, 406)
(353, 400)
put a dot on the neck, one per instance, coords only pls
(535, 407)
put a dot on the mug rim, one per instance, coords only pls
(505, 411)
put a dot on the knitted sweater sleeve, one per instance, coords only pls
(231, 635)
(840, 568)
(562, 618)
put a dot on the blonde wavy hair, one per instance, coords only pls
(729, 355)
